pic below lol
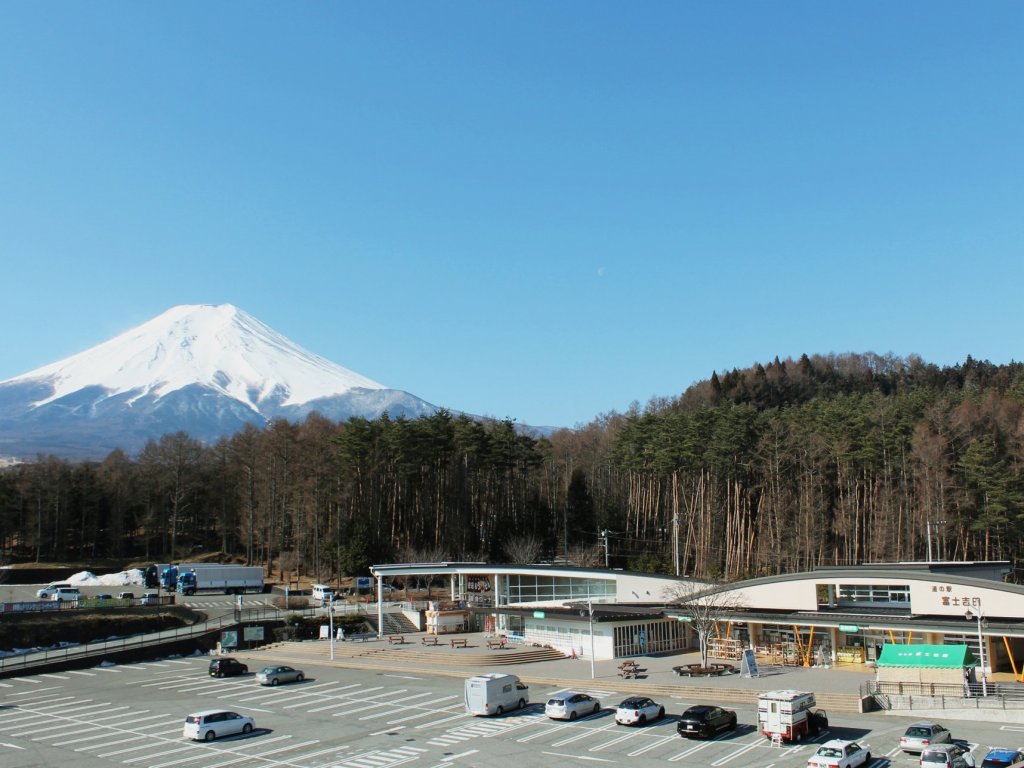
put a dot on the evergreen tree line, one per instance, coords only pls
(826, 460)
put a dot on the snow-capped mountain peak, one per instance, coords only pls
(218, 347)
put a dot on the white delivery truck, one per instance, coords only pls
(495, 693)
(789, 715)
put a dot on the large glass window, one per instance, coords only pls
(530, 588)
(892, 595)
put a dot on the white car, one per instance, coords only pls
(638, 710)
(47, 592)
(66, 594)
(840, 754)
(569, 705)
(213, 723)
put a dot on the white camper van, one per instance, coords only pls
(495, 693)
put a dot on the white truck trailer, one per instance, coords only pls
(212, 577)
(789, 715)
(495, 693)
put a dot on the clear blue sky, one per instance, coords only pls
(539, 210)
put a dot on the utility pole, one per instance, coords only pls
(928, 527)
(604, 536)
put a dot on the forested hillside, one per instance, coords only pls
(781, 467)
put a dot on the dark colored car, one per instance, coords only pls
(227, 667)
(704, 721)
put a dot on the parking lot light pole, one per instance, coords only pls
(330, 614)
(590, 611)
(971, 616)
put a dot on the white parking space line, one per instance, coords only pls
(81, 672)
(579, 757)
(738, 752)
(687, 752)
(396, 703)
(459, 716)
(165, 753)
(48, 721)
(658, 742)
(39, 691)
(617, 740)
(108, 743)
(291, 694)
(585, 733)
(55, 677)
(168, 684)
(429, 708)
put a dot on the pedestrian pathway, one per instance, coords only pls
(837, 688)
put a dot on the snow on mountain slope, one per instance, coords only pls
(218, 347)
(205, 370)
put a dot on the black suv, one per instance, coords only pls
(226, 667)
(704, 721)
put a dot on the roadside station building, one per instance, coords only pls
(824, 616)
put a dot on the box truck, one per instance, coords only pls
(194, 578)
(495, 693)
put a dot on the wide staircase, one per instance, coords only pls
(394, 623)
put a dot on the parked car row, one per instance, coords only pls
(934, 743)
(702, 721)
(226, 666)
(67, 593)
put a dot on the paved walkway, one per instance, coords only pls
(655, 674)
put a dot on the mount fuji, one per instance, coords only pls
(208, 370)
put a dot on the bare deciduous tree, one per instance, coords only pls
(703, 608)
(523, 550)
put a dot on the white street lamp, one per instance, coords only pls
(330, 614)
(971, 616)
(590, 609)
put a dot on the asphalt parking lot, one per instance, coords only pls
(132, 715)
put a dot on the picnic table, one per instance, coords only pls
(429, 640)
(396, 639)
(459, 642)
(628, 669)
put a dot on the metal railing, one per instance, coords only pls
(914, 695)
(25, 661)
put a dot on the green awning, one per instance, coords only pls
(930, 656)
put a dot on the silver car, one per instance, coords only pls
(281, 674)
(922, 735)
(569, 705)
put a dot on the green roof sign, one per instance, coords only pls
(538, 614)
(849, 628)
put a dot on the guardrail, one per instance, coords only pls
(26, 661)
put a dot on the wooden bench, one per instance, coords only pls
(429, 640)
(361, 637)
(459, 642)
(498, 642)
(396, 639)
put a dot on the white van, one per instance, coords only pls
(323, 593)
(66, 594)
(495, 693)
(50, 589)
